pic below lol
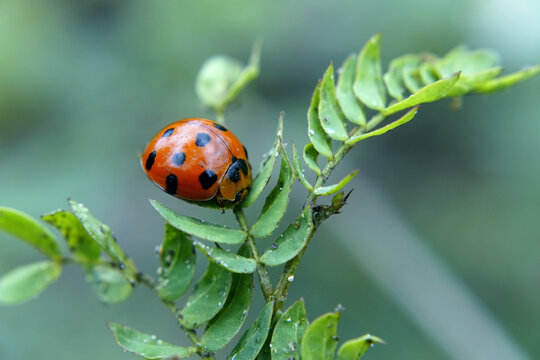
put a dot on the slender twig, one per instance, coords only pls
(282, 288)
(264, 279)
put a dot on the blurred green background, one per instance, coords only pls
(452, 196)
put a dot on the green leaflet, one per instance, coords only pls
(451, 60)
(227, 323)
(289, 244)
(207, 298)
(310, 157)
(354, 349)
(394, 78)
(412, 79)
(230, 261)
(321, 142)
(253, 339)
(265, 168)
(299, 170)
(83, 247)
(402, 120)
(368, 84)
(28, 281)
(177, 258)
(344, 91)
(147, 346)
(276, 203)
(109, 284)
(428, 93)
(478, 60)
(102, 235)
(199, 228)
(508, 80)
(331, 117)
(468, 62)
(428, 73)
(320, 339)
(467, 83)
(28, 229)
(332, 189)
(288, 332)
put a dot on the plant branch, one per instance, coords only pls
(282, 288)
(264, 279)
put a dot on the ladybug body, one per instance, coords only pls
(197, 160)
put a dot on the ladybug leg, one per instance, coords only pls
(221, 203)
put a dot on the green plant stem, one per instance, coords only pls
(151, 283)
(264, 279)
(282, 288)
(373, 122)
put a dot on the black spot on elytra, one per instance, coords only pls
(220, 127)
(150, 160)
(233, 173)
(245, 150)
(243, 166)
(168, 132)
(179, 158)
(171, 184)
(207, 179)
(202, 139)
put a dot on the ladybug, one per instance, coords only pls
(198, 160)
